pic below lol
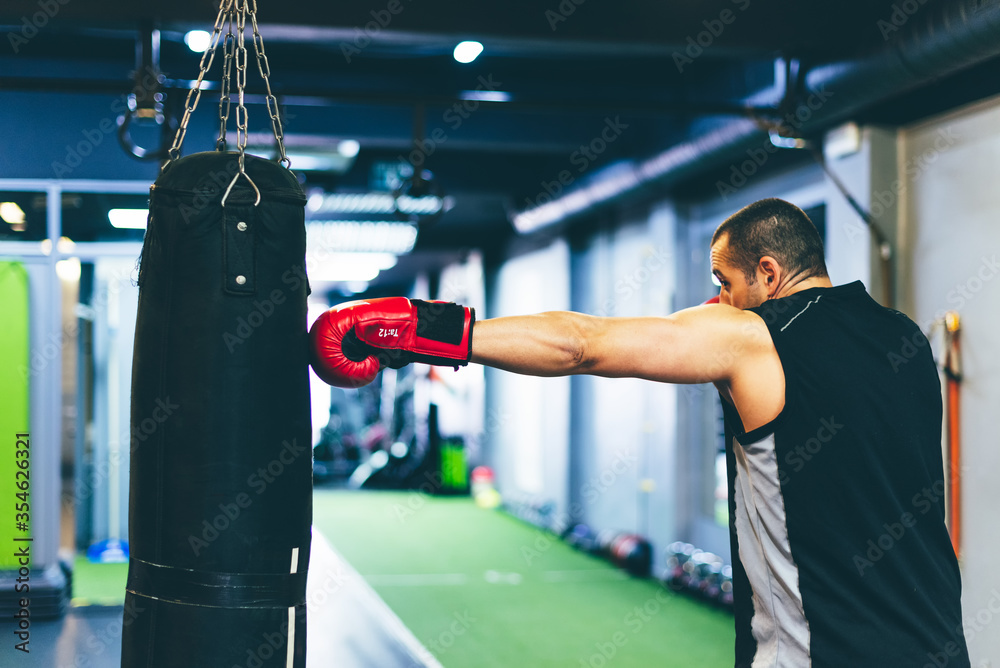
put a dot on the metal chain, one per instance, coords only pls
(234, 49)
(194, 94)
(265, 74)
(228, 47)
(241, 80)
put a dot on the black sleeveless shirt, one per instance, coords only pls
(841, 557)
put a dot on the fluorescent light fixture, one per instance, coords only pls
(312, 162)
(312, 153)
(128, 219)
(484, 96)
(370, 203)
(11, 213)
(321, 161)
(468, 51)
(198, 40)
(614, 179)
(425, 205)
(347, 268)
(349, 148)
(361, 236)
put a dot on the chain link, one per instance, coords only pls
(265, 74)
(235, 51)
(194, 94)
(228, 46)
(241, 80)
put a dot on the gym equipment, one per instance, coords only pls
(220, 505)
(110, 551)
(700, 574)
(15, 377)
(582, 537)
(445, 468)
(336, 455)
(539, 511)
(30, 589)
(146, 102)
(949, 360)
(483, 489)
(628, 551)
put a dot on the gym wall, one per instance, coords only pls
(949, 203)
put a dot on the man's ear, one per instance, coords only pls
(770, 272)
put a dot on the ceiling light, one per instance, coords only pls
(319, 161)
(617, 178)
(128, 219)
(425, 205)
(484, 96)
(11, 213)
(348, 148)
(369, 203)
(466, 52)
(361, 236)
(347, 267)
(198, 40)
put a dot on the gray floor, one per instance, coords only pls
(349, 627)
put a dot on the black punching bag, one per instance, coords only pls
(220, 504)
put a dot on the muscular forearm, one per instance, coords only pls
(547, 344)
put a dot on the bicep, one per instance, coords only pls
(697, 345)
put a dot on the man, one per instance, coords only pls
(841, 556)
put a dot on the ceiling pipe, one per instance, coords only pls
(931, 42)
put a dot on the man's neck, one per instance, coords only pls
(804, 284)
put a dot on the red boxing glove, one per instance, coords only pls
(713, 300)
(352, 342)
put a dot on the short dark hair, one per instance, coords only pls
(777, 228)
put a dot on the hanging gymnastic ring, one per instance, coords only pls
(136, 151)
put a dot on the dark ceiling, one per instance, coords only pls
(645, 75)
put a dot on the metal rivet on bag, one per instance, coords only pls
(240, 280)
(241, 226)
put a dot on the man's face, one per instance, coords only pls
(736, 290)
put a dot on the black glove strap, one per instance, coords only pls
(444, 322)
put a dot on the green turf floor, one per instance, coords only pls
(98, 584)
(482, 589)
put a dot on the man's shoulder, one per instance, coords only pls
(780, 313)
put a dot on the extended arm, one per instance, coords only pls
(696, 345)
(719, 344)
(351, 342)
